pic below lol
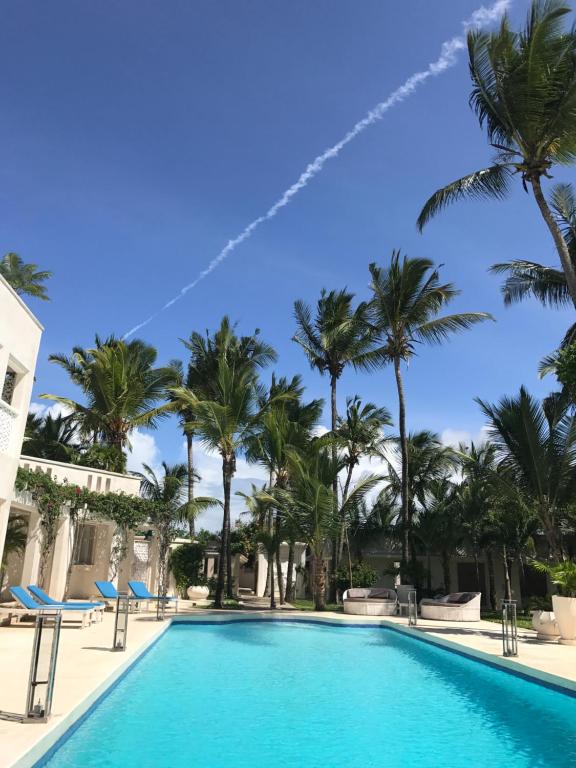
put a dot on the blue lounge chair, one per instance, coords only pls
(141, 591)
(110, 593)
(29, 606)
(45, 599)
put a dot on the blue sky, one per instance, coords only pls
(138, 138)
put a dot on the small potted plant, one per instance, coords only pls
(563, 576)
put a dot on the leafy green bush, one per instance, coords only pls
(186, 563)
(538, 604)
(562, 575)
(363, 575)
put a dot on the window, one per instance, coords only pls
(9, 386)
(85, 544)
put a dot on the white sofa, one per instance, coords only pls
(370, 601)
(458, 606)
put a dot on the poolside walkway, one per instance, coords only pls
(86, 663)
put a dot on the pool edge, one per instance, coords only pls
(43, 749)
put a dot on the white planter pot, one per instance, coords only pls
(198, 593)
(565, 612)
(545, 624)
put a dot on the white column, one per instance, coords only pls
(60, 560)
(32, 551)
(4, 515)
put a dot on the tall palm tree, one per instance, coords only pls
(359, 435)
(535, 445)
(407, 297)
(122, 389)
(167, 495)
(523, 94)
(50, 437)
(336, 337)
(285, 426)
(227, 416)
(25, 279)
(309, 505)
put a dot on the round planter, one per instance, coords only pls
(545, 624)
(198, 593)
(565, 612)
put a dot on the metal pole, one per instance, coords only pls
(509, 628)
(121, 622)
(43, 666)
(412, 608)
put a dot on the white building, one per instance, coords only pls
(20, 334)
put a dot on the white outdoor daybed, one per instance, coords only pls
(370, 601)
(459, 606)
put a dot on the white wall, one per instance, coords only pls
(20, 334)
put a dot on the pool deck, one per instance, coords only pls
(87, 665)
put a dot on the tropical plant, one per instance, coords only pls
(15, 540)
(336, 337)
(227, 416)
(186, 563)
(535, 445)
(122, 390)
(524, 86)
(407, 297)
(25, 279)
(50, 437)
(167, 496)
(360, 575)
(563, 575)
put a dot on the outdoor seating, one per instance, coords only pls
(45, 599)
(141, 591)
(458, 606)
(371, 601)
(30, 607)
(110, 594)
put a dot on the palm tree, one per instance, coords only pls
(535, 445)
(122, 390)
(25, 279)
(523, 93)
(407, 297)
(227, 416)
(168, 507)
(309, 505)
(50, 437)
(167, 495)
(338, 336)
(359, 434)
(287, 425)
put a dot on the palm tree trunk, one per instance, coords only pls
(405, 513)
(289, 593)
(559, 242)
(223, 559)
(272, 595)
(446, 571)
(279, 576)
(491, 578)
(334, 421)
(190, 457)
(343, 526)
(506, 573)
(319, 584)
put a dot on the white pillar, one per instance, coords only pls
(32, 551)
(4, 515)
(60, 560)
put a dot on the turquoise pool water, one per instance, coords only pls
(295, 695)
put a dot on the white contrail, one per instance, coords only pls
(448, 56)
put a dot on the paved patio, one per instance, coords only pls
(86, 663)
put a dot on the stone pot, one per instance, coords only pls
(198, 593)
(565, 612)
(545, 624)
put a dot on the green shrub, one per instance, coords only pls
(186, 563)
(363, 575)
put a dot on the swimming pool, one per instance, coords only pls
(304, 695)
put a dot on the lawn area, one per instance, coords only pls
(524, 622)
(308, 605)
